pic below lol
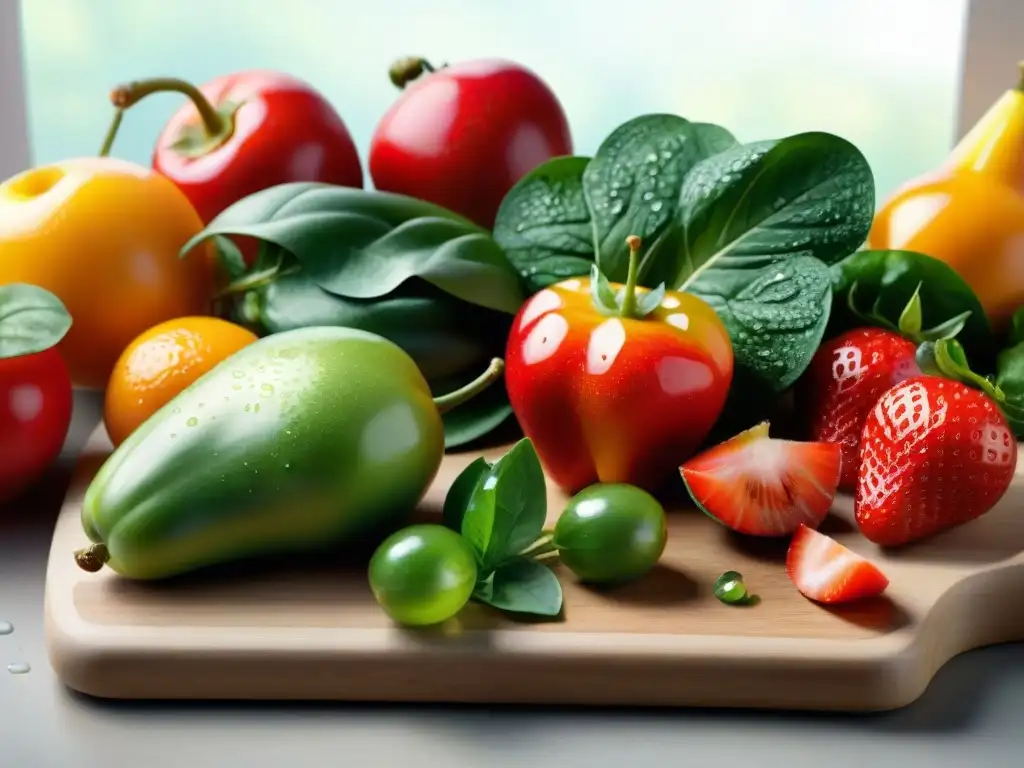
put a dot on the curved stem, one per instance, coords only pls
(454, 399)
(125, 96)
(115, 126)
(92, 558)
(629, 292)
(407, 69)
(253, 280)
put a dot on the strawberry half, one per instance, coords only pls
(846, 377)
(827, 572)
(762, 486)
(935, 453)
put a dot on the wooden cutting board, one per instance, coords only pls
(314, 631)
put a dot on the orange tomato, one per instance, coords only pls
(103, 235)
(160, 363)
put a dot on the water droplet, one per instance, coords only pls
(656, 206)
(648, 196)
(247, 408)
(287, 465)
(267, 389)
(19, 668)
(176, 410)
(6, 627)
(616, 208)
(192, 421)
(238, 374)
(256, 408)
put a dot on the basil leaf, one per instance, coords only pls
(31, 320)
(632, 184)
(507, 509)
(1010, 381)
(230, 256)
(523, 586)
(543, 224)
(456, 501)
(886, 281)
(364, 244)
(797, 204)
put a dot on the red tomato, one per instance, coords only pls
(35, 413)
(463, 135)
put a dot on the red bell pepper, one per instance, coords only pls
(613, 383)
(241, 133)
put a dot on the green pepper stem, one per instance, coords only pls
(125, 96)
(628, 306)
(115, 126)
(407, 69)
(92, 558)
(454, 399)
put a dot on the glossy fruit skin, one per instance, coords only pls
(934, 454)
(284, 131)
(301, 440)
(103, 235)
(160, 363)
(611, 533)
(969, 213)
(615, 400)
(35, 414)
(462, 136)
(825, 571)
(423, 575)
(846, 377)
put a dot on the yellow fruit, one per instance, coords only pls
(160, 363)
(103, 235)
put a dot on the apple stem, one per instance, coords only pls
(407, 69)
(125, 96)
(115, 126)
(628, 305)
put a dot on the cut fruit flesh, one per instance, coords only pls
(827, 572)
(762, 486)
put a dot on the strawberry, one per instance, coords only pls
(764, 486)
(827, 572)
(844, 381)
(935, 453)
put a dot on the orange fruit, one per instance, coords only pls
(103, 235)
(160, 363)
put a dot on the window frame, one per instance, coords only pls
(990, 51)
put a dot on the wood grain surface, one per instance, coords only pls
(290, 630)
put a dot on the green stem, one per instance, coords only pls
(1020, 85)
(543, 543)
(92, 558)
(629, 292)
(407, 69)
(254, 280)
(546, 555)
(454, 399)
(125, 96)
(115, 126)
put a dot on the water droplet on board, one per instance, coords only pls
(18, 668)
(6, 628)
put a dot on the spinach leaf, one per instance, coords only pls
(544, 224)
(567, 213)
(760, 222)
(456, 501)
(507, 509)
(887, 280)
(364, 244)
(632, 184)
(31, 320)
(522, 586)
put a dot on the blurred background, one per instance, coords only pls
(882, 74)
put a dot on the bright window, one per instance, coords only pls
(882, 74)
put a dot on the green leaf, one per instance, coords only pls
(1010, 382)
(523, 586)
(775, 316)
(759, 223)
(230, 257)
(910, 318)
(507, 509)
(365, 244)
(31, 320)
(456, 501)
(632, 184)
(649, 301)
(543, 224)
(601, 292)
(1017, 327)
(888, 279)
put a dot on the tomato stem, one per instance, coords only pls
(628, 306)
(92, 558)
(407, 69)
(447, 402)
(115, 126)
(125, 96)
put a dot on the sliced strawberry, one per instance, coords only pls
(763, 486)
(827, 572)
